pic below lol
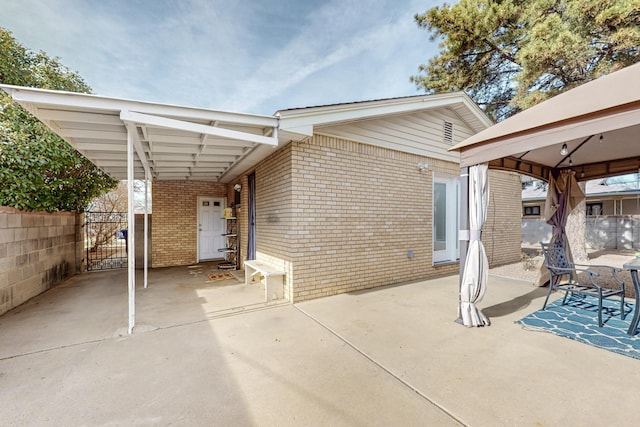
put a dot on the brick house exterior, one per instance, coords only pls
(343, 206)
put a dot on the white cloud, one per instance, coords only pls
(244, 56)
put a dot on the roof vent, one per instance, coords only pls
(448, 133)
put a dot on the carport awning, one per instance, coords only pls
(171, 142)
(599, 121)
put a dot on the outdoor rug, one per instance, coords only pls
(578, 320)
(222, 275)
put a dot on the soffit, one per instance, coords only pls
(173, 142)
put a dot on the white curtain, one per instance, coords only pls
(476, 268)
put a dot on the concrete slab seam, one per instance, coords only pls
(45, 350)
(148, 328)
(384, 368)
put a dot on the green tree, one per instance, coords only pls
(512, 54)
(38, 170)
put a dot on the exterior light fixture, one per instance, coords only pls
(564, 151)
(237, 187)
(423, 167)
(601, 138)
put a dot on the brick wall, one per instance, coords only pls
(359, 210)
(37, 251)
(340, 216)
(337, 216)
(175, 208)
(275, 213)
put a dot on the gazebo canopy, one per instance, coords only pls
(598, 121)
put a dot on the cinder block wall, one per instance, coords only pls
(175, 211)
(601, 232)
(37, 251)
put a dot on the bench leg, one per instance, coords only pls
(273, 287)
(249, 273)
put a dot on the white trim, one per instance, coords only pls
(147, 119)
(56, 98)
(302, 121)
(223, 203)
(451, 253)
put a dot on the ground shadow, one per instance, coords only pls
(594, 254)
(516, 304)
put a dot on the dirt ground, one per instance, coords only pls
(528, 268)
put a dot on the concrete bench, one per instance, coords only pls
(273, 278)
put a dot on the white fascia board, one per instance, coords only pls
(164, 122)
(297, 127)
(250, 158)
(477, 111)
(75, 116)
(90, 102)
(303, 120)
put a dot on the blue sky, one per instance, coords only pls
(248, 56)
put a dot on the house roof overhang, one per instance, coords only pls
(304, 121)
(599, 121)
(171, 142)
(185, 143)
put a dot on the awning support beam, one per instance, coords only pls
(148, 119)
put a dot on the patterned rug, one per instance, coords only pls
(578, 320)
(223, 275)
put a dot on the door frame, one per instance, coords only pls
(223, 203)
(452, 253)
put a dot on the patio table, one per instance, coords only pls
(633, 266)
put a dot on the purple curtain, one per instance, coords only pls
(563, 196)
(251, 237)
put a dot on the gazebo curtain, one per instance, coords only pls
(563, 195)
(476, 267)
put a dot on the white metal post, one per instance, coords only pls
(146, 228)
(131, 232)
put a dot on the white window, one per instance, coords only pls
(446, 189)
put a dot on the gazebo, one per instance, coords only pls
(592, 131)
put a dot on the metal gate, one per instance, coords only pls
(106, 240)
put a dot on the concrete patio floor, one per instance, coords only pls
(208, 354)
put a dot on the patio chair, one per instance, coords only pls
(581, 279)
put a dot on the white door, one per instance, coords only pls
(445, 218)
(211, 226)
